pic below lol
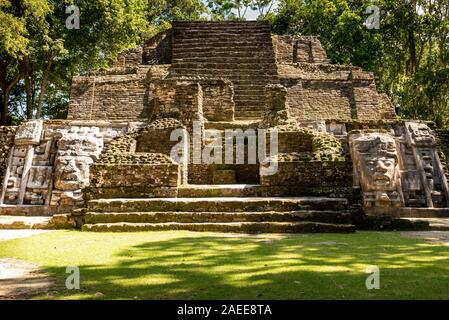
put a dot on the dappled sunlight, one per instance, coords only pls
(187, 265)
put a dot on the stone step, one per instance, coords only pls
(249, 112)
(217, 217)
(228, 59)
(59, 221)
(231, 204)
(221, 30)
(239, 227)
(211, 29)
(435, 224)
(252, 90)
(232, 45)
(424, 212)
(238, 76)
(213, 191)
(223, 125)
(262, 70)
(228, 37)
(24, 210)
(247, 102)
(243, 96)
(241, 115)
(213, 33)
(180, 53)
(221, 51)
(222, 25)
(231, 39)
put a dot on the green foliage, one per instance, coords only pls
(237, 9)
(160, 13)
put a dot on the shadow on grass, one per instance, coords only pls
(289, 268)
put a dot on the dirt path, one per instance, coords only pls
(437, 237)
(15, 234)
(20, 279)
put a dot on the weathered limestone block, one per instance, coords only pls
(20, 165)
(309, 177)
(376, 169)
(126, 168)
(276, 107)
(422, 142)
(75, 154)
(130, 57)
(118, 93)
(293, 48)
(158, 49)
(29, 133)
(179, 99)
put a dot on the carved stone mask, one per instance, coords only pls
(379, 172)
(377, 160)
(72, 172)
(75, 154)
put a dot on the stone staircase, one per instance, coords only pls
(227, 208)
(32, 217)
(241, 52)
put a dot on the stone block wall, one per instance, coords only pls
(155, 137)
(121, 95)
(443, 149)
(204, 174)
(218, 100)
(125, 169)
(134, 180)
(294, 141)
(129, 58)
(158, 49)
(292, 49)
(315, 100)
(312, 177)
(327, 92)
(179, 99)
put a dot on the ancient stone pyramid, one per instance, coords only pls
(342, 160)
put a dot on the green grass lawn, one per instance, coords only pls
(186, 265)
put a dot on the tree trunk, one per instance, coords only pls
(412, 52)
(6, 91)
(4, 115)
(43, 87)
(29, 95)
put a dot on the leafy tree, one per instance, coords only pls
(37, 45)
(15, 44)
(160, 13)
(39, 54)
(237, 9)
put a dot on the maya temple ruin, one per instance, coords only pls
(344, 160)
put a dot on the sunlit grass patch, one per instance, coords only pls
(187, 265)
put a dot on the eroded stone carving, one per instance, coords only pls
(29, 132)
(421, 134)
(75, 153)
(377, 171)
(421, 141)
